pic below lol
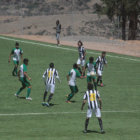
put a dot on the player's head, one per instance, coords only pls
(17, 45)
(91, 59)
(90, 86)
(51, 65)
(103, 54)
(80, 43)
(25, 61)
(57, 22)
(75, 66)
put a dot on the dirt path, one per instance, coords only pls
(131, 48)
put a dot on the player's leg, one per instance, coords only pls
(99, 79)
(45, 93)
(83, 68)
(57, 38)
(52, 89)
(73, 90)
(28, 85)
(20, 90)
(23, 87)
(79, 63)
(94, 82)
(14, 72)
(98, 115)
(89, 115)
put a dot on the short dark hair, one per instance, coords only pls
(80, 42)
(51, 65)
(75, 66)
(90, 86)
(16, 44)
(91, 59)
(25, 60)
(103, 52)
(57, 22)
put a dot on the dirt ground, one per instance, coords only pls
(131, 48)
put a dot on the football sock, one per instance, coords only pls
(70, 96)
(44, 97)
(86, 124)
(95, 85)
(28, 92)
(98, 80)
(20, 90)
(50, 97)
(101, 79)
(100, 123)
(16, 70)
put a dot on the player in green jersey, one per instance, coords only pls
(91, 71)
(71, 78)
(16, 53)
(23, 76)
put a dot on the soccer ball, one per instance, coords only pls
(92, 73)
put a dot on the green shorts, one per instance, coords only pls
(25, 82)
(74, 89)
(16, 62)
(90, 78)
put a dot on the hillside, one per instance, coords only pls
(37, 17)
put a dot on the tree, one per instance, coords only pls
(126, 10)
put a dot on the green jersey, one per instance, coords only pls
(23, 68)
(16, 53)
(90, 67)
(73, 74)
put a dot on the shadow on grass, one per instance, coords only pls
(92, 131)
(21, 97)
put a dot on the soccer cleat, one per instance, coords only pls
(47, 104)
(101, 85)
(84, 131)
(16, 95)
(68, 101)
(102, 131)
(29, 98)
(43, 104)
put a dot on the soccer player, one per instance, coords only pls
(16, 53)
(91, 71)
(100, 61)
(58, 31)
(71, 78)
(49, 79)
(81, 59)
(92, 97)
(23, 76)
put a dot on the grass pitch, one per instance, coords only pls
(64, 121)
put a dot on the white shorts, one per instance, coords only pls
(99, 72)
(50, 88)
(82, 62)
(57, 36)
(96, 111)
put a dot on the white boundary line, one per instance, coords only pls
(54, 46)
(59, 113)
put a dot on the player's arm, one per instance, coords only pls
(57, 76)
(44, 76)
(18, 74)
(68, 77)
(100, 102)
(12, 52)
(83, 104)
(26, 75)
